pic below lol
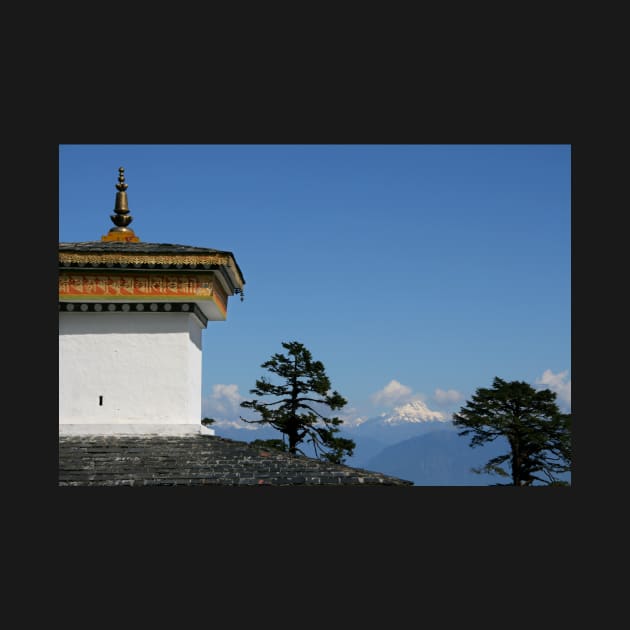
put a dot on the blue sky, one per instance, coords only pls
(414, 272)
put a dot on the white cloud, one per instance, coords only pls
(236, 424)
(224, 401)
(229, 392)
(558, 383)
(445, 397)
(391, 393)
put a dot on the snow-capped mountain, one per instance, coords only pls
(414, 411)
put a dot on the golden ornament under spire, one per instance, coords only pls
(122, 218)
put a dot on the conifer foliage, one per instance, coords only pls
(539, 435)
(299, 402)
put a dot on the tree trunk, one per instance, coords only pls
(516, 463)
(293, 441)
(293, 431)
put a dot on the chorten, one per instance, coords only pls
(131, 316)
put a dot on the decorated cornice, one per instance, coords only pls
(92, 286)
(120, 258)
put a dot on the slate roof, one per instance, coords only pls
(197, 460)
(136, 248)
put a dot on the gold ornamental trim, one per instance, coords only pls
(149, 259)
(128, 236)
(83, 285)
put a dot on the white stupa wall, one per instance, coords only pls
(145, 366)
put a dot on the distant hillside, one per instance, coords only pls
(439, 458)
(365, 449)
(375, 434)
(388, 434)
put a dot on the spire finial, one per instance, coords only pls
(121, 186)
(122, 218)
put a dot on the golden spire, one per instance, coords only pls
(122, 218)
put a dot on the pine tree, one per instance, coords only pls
(299, 401)
(539, 435)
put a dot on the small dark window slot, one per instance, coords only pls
(100, 401)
